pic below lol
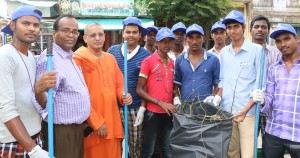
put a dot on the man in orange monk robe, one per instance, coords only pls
(105, 84)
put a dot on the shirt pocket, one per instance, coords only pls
(247, 70)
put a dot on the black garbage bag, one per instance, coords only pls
(200, 130)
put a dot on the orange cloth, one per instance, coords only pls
(105, 84)
(107, 148)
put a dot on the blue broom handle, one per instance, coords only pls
(50, 102)
(258, 104)
(125, 106)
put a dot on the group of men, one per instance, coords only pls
(88, 86)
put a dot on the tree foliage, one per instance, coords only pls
(202, 12)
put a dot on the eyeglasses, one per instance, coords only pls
(94, 35)
(68, 31)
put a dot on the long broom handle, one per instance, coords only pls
(50, 100)
(258, 104)
(125, 106)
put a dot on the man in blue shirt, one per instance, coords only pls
(239, 76)
(196, 71)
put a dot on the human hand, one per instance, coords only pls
(217, 100)
(47, 81)
(127, 100)
(169, 108)
(38, 152)
(209, 99)
(102, 131)
(258, 96)
(140, 116)
(176, 101)
(239, 117)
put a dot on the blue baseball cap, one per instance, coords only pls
(136, 21)
(164, 33)
(194, 28)
(217, 25)
(283, 28)
(179, 27)
(23, 11)
(234, 15)
(152, 28)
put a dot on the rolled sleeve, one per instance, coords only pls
(144, 71)
(8, 109)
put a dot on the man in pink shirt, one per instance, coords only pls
(156, 74)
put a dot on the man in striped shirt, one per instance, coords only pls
(70, 95)
(282, 96)
(132, 32)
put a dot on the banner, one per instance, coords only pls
(107, 8)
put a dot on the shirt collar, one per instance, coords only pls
(157, 57)
(280, 61)
(133, 53)
(246, 46)
(61, 52)
(206, 55)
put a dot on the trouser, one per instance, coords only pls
(155, 123)
(68, 140)
(274, 147)
(16, 150)
(242, 139)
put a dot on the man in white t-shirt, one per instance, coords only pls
(20, 123)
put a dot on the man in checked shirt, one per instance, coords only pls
(281, 99)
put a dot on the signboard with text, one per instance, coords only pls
(107, 7)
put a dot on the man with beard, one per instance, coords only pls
(132, 31)
(259, 28)
(150, 39)
(70, 95)
(179, 32)
(218, 34)
(281, 99)
(20, 122)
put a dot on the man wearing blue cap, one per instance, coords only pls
(20, 124)
(179, 32)
(157, 75)
(150, 39)
(196, 71)
(239, 76)
(218, 34)
(132, 31)
(259, 28)
(282, 96)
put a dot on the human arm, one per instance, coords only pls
(140, 90)
(47, 81)
(9, 113)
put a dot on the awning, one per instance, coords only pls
(39, 3)
(111, 24)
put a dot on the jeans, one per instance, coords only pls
(155, 123)
(274, 147)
